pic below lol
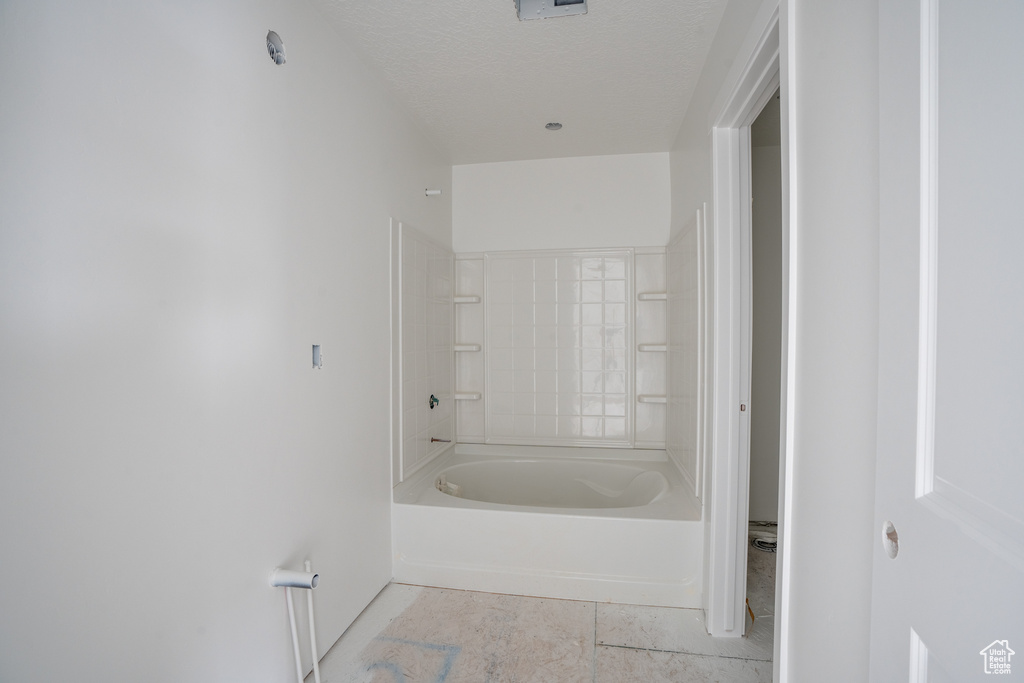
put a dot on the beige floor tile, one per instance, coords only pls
(677, 630)
(412, 634)
(622, 665)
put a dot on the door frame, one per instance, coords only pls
(766, 68)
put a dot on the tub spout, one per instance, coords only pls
(432, 440)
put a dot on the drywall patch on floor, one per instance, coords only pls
(409, 660)
(462, 636)
(343, 662)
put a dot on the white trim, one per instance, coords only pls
(753, 46)
(1000, 533)
(739, 104)
(396, 353)
(704, 353)
(728, 501)
(918, 659)
(924, 480)
(790, 271)
(726, 581)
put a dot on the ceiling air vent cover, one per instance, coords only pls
(543, 9)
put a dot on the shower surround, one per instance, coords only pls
(559, 349)
(551, 355)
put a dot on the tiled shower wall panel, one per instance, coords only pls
(426, 348)
(469, 334)
(683, 336)
(559, 348)
(651, 336)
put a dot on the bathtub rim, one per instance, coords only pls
(593, 555)
(679, 503)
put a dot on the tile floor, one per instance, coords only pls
(414, 634)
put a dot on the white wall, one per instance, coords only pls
(833, 90)
(836, 216)
(181, 220)
(574, 203)
(766, 338)
(690, 158)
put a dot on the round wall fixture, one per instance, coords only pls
(554, 126)
(275, 46)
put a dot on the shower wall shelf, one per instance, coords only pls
(651, 398)
(473, 299)
(467, 396)
(653, 347)
(652, 296)
(466, 347)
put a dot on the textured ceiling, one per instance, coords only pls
(482, 83)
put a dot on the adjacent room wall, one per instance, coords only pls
(766, 347)
(574, 203)
(181, 221)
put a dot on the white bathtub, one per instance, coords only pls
(609, 525)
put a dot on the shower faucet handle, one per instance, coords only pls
(433, 401)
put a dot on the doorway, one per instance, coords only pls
(765, 360)
(743, 97)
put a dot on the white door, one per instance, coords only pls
(950, 473)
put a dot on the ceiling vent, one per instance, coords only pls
(544, 9)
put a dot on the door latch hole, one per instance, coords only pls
(890, 540)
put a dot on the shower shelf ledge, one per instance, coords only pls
(467, 396)
(473, 299)
(651, 398)
(652, 296)
(466, 347)
(652, 347)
